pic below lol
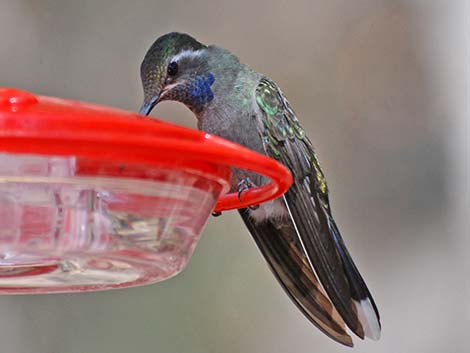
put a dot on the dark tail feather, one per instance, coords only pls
(332, 263)
(311, 223)
(291, 268)
(369, 317)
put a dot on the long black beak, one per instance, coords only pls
(147, 107)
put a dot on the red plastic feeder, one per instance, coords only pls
(93, 198)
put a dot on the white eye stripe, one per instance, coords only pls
(188, 54)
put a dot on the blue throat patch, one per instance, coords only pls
(201, 92)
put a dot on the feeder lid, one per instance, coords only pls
(31, 124)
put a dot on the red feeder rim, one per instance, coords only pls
(56, 127)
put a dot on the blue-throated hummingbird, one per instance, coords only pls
(296, 233)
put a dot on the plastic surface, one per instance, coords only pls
(95, 198)
(50, 126)
(64, 230)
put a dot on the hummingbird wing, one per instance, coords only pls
(276, 240)
(308, 204)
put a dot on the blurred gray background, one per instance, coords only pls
(382, 87)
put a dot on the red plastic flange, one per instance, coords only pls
(51, 126)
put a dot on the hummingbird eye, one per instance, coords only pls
(172, 68)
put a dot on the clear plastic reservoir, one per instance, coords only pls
(69, 224)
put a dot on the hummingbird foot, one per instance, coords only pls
(244, 185)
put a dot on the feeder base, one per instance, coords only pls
(60, 232)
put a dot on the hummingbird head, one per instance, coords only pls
(176, 68)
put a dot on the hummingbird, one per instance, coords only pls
(296, 233)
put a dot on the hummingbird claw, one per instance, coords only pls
(244, 185)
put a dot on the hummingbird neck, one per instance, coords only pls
(233, 101)
(233, 88)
